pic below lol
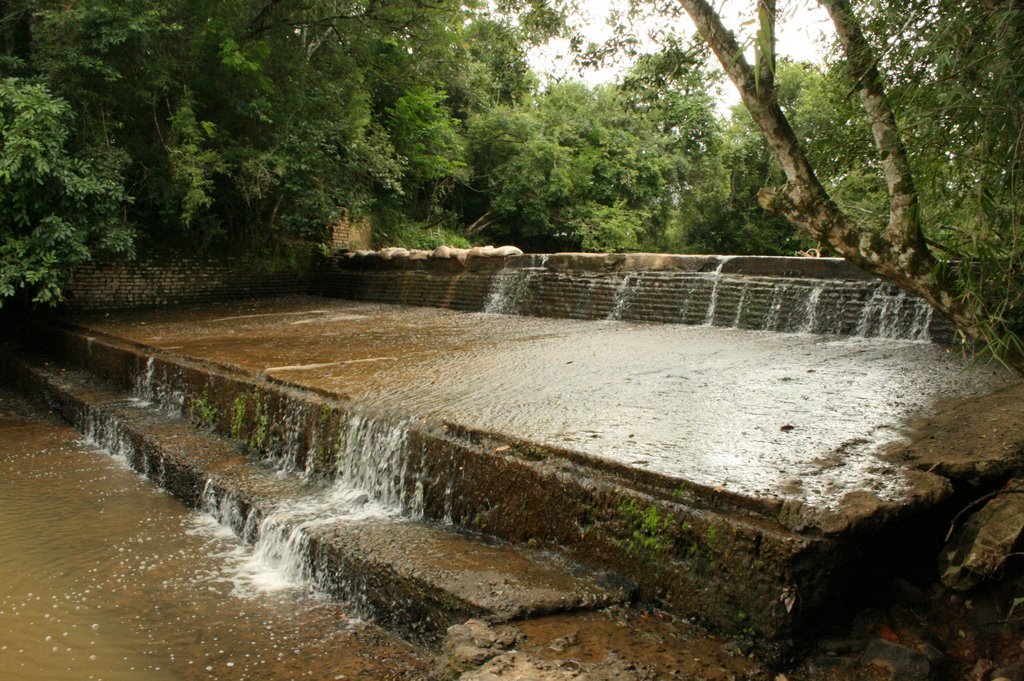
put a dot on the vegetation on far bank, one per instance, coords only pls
(204, 128)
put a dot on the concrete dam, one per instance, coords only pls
(736, 440)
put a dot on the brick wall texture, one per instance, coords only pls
(141, 284)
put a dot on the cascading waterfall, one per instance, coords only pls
(153, 387)
(373, 476)
(716, 278)
(508, 290)
(280, 537)
(891, 313)
(772, 317)
(373, 479)
(144, 382)
(104, 432)
(787, 304)
(811, 311)
(290, 451)
(623, 297)
(739, 308)
(376, 457)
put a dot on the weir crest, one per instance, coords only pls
(790, 305)
(823, 296)
(418, 463)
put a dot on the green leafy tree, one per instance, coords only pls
(58, 205)
(924, 72)
(241, 126)
(594, 168)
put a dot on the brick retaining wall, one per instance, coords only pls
(99, 286)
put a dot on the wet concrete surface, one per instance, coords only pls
(412, 576)
(788, 416)
(104, 577)
(493, 581)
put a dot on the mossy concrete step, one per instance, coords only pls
(416, 577)
(746, 564)
(423, 577)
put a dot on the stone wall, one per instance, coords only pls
(802, 295)
(351, 233)
(98, 286)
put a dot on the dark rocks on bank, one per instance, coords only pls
(906, 664)
(1014, 673)
(840, 646)
(980, 547)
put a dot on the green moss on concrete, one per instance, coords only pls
(648, 530)
(201, 411)
(238, 409)
(261, 419)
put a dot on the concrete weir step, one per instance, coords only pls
(733, 561)
(417, 577)
(766, 566)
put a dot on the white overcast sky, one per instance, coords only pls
(803, 31)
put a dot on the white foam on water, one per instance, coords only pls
(279, 557)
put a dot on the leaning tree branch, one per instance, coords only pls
(803, 201)
(899, 253)
(904, 229)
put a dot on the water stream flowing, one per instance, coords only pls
(112, 579)
(823, 306)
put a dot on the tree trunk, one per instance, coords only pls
(899, 253)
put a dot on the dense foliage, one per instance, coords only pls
(929, 198)
(174, 126)
(183, 126)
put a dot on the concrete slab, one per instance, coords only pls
(416, 577)
(794, 418)
(742, 477)
(484, 579)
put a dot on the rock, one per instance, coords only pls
(829, 664)
(506, 251)
(936, 658)
(562, 642)
(443, 252)
(908, 592)
(471, 644)
(391, 252)
(982, 670)
(518, 666)
(1014, 673)
(841, 645)
(906, 664)
(982, 544)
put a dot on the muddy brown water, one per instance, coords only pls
(792, 416)
(102, 576)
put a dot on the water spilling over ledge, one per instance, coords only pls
(723, 464)
(796, 295)
(716, 468)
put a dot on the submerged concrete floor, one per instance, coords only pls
(789, 416)
(104, 577)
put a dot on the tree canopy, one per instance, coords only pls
(945, 220)
(184, 127)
